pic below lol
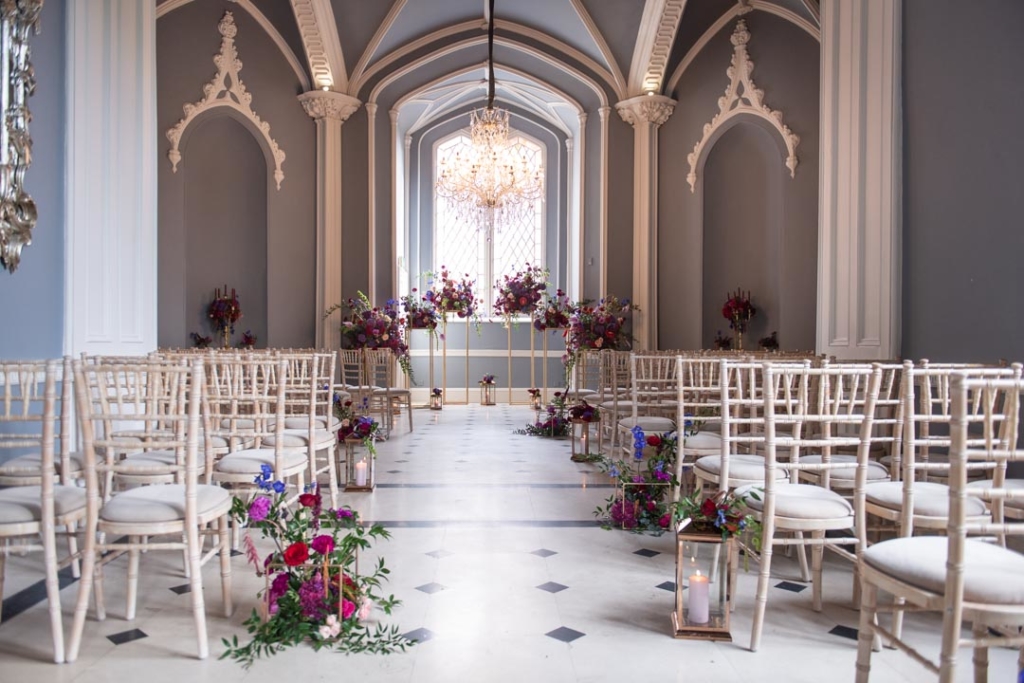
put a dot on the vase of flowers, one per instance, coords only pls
(200, 341)
(248, 340)
(487, 390)
(534, 398)
(313, 592)
(420, 313)
(598, 327)
(224, 311)
(769, 343)
(641, 501)
(554, 312)
(738, 311)
(449, 295)
(553, 422)
(374, 327)
(436, 399)
(521, 293)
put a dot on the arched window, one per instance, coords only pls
(462, 248)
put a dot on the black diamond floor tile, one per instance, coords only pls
(127, 636)
(790, 586)
(543, 552)
(394, 471)
(646, 552)
(420, 635)
(181, 590)
(552, 587)
(430, 588)
(844, 632)
(440, 553)
(236, 553)
(565, 634)
(669, 586)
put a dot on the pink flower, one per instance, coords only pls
(259, 508)
(323, 544)
(364, 609)
(347, 608)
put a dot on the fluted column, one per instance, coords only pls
(330, 110)
(646, 114)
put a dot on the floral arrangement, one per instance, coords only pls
(585, 412)
(521, 293)
(436, 392)
(419, 312)
(313, 593)
(200, 341)
(374, 327)
(248, 340)
(721, 514)
(554, 313)
(488, 379)
(641, 502)
(224, 311)
(354, 425)
(449, 295)
(770, 343)
(738, 310)
(722, 342)
(597, 327)
(551, 422)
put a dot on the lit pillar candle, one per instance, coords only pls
(697, 599)
(361, 481)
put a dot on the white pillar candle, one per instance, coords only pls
(697, 599)
(361, 480)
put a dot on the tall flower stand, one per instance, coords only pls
(533, 358)
(581, 429)
(544, 360)
(487, 393)
(359, 470)
(706, 567)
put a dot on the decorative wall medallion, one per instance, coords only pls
(749, 100)
(225, 90)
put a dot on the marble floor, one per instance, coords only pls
(504, 575)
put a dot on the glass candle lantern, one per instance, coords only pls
(359, 473)
(487, 393)
(581, 432)
(535, 402)
(436, 400)
(705, 567)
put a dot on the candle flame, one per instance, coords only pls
(698, 572)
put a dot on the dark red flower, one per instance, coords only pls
(653, 440)
(296, 554)
(308, 500)
(708, 507)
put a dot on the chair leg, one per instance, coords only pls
(866, 635)
(76, 562)
(84, 593)
(897, 620)
(53, 591)
(196, 584)
(817, 553)
(801, 556)
(98, 594)
(763, 579)
(980, 655)
(332, 476)
(133, 577)
(224, 533)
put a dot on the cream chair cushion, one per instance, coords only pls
(31, 465)
(24, 504)
(799, 501)
(742, 467)
(930, 499)
(703, 441)
(1011, 484)
(299, 438)
(649, 424)
(302, 422)
(251, 461)
(152, 462)
(992, 574)
(164, 503)
(876, 471)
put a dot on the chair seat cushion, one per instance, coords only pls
(164, 503)
(800, 501)
(703, 441)
(992, 574)
(24, 504)
(391, 392)
(31, 465)
(141, 435)
(152, 462)
(251, 461)
(742, 467)
(931, 499)
(299, 438)
(302, 422)
(876, 471)
(622, 406)
(649, 423)
(238, 423)
(1011, 484)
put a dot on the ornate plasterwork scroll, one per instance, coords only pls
(225, 90)
(749, 100)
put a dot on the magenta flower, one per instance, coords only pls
(347, 608)
(259, 508)
(344, 513)
(323, 544)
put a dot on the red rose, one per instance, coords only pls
(296, 554)
(708, 508)
(664, 521)
(653, 440)
(651, 506)
(308, 500)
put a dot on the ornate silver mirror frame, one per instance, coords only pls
(17, 81)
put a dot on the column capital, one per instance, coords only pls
(329, 105)
(652, 109)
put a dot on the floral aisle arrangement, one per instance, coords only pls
(598, 327)
(420, 313)
(554, 313)
(200, 341)
(487, 379)
(585, 412)
(534, 394)
(551, 422)
(770, 343)
(248, 340)
(449, 295)
(722, 514)
(224, 311)
(313, 592)
(355, 425)
(641, 501)
(374, 327)
(738, 311)
(722, 342)
(521, 293)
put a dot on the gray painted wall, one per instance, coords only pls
(787, 69)
(963, 165)
(32, 298)
(187, 40)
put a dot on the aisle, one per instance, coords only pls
(504, 576)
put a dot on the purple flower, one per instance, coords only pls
(311, 597)
(259, 508)
(323, 544)
(344, 513)
(279, 586)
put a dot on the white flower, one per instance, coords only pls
(325, 632)
(346, 423)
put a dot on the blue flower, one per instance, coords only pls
(720, 519)
(613, 472)
(266, 471)
(278, 487)
(639, 441)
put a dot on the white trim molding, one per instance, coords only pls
(330, 110)
(604, 113)
(646, 114)
(657, 32)
(219, 92)
(736, 103)
(319, 32)
(110, 183)
(860, 221)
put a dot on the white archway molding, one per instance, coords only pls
(601, 43)
(359, 81)
(723, 21)
(734, 103)
(219, 93)
(261, 19)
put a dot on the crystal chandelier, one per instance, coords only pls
(494, 182)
